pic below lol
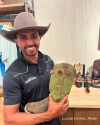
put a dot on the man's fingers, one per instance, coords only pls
(64, 99)
(51, 71)
(50, 98)
(65, 107)
(67, 103)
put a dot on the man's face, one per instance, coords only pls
(28, 40)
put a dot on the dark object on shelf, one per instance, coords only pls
(96, 69)
(96, 73)
(87, 90)
(87, 82)
(95, 85)
(87, 73)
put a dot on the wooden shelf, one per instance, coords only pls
(12, 9)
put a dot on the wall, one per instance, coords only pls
(74, 33)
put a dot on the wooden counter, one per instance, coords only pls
(84, 109)
(78, 98)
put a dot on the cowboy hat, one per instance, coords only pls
(23, 20)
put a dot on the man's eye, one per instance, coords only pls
(34, 36)
(23, 37)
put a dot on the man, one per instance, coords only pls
(27, 79)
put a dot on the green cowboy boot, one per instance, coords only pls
(61, 81)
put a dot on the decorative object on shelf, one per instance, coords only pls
(96, 74)
(80, 69)
(1, 2)
(61, 81)
(87, 82)
(79, 80)
(79, 74)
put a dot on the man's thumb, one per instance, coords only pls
(50, 97)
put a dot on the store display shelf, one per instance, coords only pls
(12, 9)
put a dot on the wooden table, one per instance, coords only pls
(84, 109)
(78, 98)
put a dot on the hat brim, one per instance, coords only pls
(10, 35)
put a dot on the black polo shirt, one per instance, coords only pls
(25, 81)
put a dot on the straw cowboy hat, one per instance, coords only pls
(23, 20)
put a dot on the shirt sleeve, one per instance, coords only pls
(11, 90)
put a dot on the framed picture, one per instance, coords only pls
(80, 69)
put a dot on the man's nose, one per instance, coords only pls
(30, 41)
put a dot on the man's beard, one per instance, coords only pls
(32, 53)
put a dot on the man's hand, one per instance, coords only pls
(57, 109)
(51, 71)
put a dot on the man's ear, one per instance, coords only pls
(15, 40)
(40, 37)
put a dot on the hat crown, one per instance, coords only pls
(23, 20)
